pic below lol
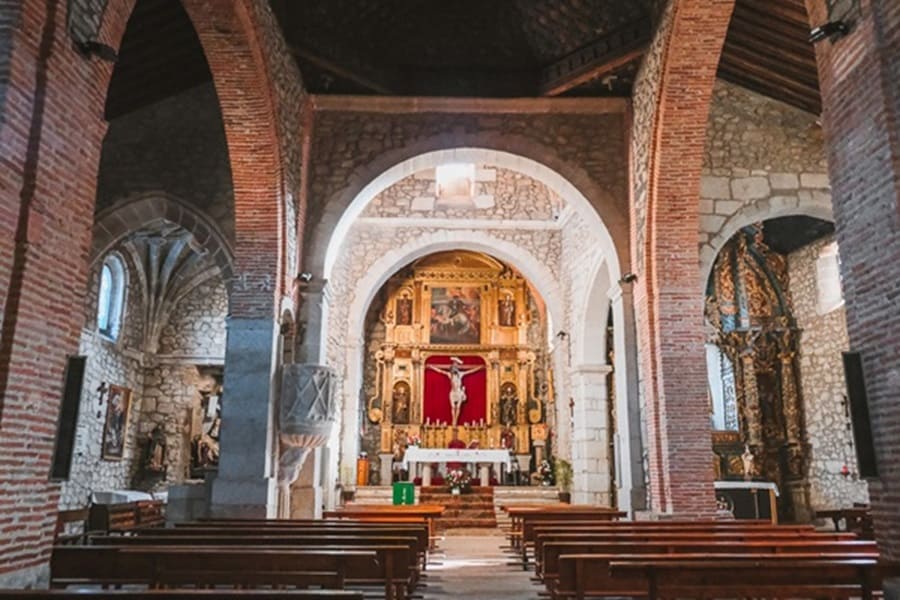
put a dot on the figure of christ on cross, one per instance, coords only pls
(457, 389)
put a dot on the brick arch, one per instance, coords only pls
(254, 79)
(114, 223)
(688, 45)
(421, 154)
(754, 213)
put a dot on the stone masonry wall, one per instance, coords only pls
(499, 194)
(822, 339)
(763, 159)
(194, 337)
(115, 363)
(175, 146)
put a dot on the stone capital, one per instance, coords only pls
(590, 369)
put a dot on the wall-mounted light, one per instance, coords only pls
(832, 30)
(628, 278)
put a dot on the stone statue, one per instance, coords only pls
(457, 389)
(156, 451)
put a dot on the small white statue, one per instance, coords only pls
(747, 458)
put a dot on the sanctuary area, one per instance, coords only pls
(604, 289)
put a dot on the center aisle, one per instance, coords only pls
(475, 567)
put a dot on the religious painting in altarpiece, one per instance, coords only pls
(461, 342)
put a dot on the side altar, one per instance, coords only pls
(459, 352)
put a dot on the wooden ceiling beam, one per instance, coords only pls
(373, 80)
(774, 62)
(601, 57)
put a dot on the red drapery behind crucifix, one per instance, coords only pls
(436, 404)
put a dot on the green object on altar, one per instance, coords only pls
(404, 493)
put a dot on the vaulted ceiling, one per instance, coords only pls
(487, 48)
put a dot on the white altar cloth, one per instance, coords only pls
(414, 455)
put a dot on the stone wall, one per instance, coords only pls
(763, 159)
(499, 194)
(117, 362)
(176, 146)
(823, 337)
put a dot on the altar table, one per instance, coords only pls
(750, 499)
(474, 456)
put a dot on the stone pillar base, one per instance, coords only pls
(243, 498)
(306, 502)
(386, 467)
(188, 502)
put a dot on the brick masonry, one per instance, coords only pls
(861, 96)
(672, 96)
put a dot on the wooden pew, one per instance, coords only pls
(518, 512)
(590, 575)
(126, 517)
(857, 519)
(783, 577)
(184, 594)
(429, 512)
(321, 528)
(553, 551)
(398, 561)
(67, 517)
(186, 566)
(529, 519)
(684, 531)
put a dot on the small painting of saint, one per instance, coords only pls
(404, 311)
(115, 428)
(507, 311)
(400, 403)
(455, 315)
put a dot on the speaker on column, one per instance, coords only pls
(859, 415)
(68, 419)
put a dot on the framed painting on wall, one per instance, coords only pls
(115, 428)
(455, 315)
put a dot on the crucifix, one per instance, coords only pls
(457, 390)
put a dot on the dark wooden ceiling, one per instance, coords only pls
(487, 48)
(767, 51)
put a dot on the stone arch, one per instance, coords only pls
(114, 223)
(769, 208)
(517, 153)
(366, 287)
(593, 312)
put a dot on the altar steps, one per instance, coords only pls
(474, 510)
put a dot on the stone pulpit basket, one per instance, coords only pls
(306, 415)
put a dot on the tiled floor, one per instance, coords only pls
(475, 567)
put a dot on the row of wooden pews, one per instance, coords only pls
(373, 553)
(586, 557)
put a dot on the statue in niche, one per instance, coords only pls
(205, 445)
(155, 459)
(400, 403)
(508, 439)
(507, 311)
(404, 311)
(508, 404)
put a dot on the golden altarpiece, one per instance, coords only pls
(468, 311)
(752, 326)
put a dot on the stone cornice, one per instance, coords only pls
(416, 104)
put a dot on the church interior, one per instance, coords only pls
(333, 274)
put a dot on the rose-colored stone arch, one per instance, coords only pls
(613, 218)
(670, 318)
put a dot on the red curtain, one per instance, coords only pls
(437, 391)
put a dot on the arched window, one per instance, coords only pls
(828, 279)
(111, 298)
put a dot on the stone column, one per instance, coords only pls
(590, 436)
(312, 319)
(351, 384)
(245, 484)
(629, 461)
(386, 467)
(306, 493)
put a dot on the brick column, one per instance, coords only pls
(590, 435)
(51, 128)
(671, 108)
(861, 97)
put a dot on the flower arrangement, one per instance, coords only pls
(459, 479)
(413, 440)
(545, 471)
